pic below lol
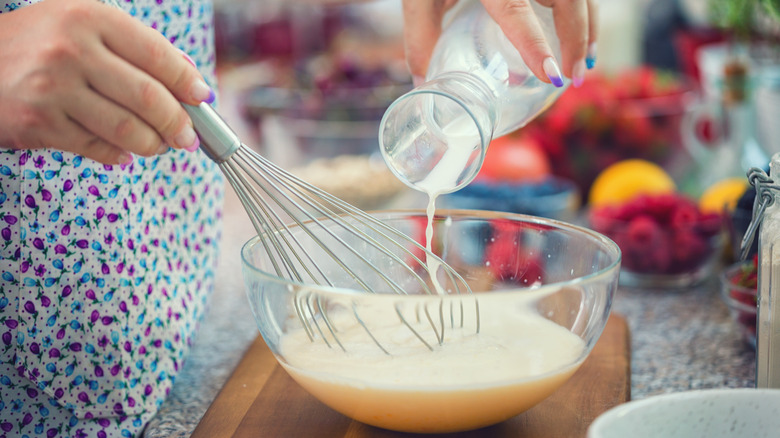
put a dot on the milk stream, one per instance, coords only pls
(463, 138)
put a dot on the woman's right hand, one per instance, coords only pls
(84, 77)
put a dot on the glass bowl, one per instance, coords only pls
(541, 293)
(741, 300)
(666, 241)
(552, 197)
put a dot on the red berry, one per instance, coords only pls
(642, 231)
(684, 217)
(506, 260)
(688, 251)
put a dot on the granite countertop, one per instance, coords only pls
(680, 340)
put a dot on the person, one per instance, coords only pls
(109, 213)
(109, 216)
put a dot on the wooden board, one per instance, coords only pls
(261, 400)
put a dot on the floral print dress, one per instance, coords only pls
(106, 270)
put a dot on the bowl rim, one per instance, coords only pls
(609, 246)
(629, 409)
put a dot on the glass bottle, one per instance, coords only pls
(766, 222)
(477, 87)
(768, 321)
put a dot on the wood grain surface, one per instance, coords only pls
(261, 400)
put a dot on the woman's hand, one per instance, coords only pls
(575, 24)
(84, 77)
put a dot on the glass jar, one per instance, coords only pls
(478, 87)
(766, 212)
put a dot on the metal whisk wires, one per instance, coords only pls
(312, 237)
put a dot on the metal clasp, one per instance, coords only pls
(764, 198)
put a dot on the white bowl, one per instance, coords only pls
(710, 413)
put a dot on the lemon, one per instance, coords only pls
(723, 195)
(626, 179)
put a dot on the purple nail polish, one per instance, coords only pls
(552, 71)
(212, 97)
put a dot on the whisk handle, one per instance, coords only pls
(217, 140)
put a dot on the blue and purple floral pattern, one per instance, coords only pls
(106, 270)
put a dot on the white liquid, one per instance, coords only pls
(472, 380)
(463, 138)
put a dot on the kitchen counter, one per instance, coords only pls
(680, 340)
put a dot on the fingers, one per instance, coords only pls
(114, 124)
(572, 27)
(154, 54)
(97, 149)
(422, 27)
(61, 130)
(575, 26)
(593, 26)
(144, 96)
(150, 78)
(520, 24)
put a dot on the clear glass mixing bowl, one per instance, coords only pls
(541, 293)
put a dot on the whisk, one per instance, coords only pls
(270, 194)
(334, 238)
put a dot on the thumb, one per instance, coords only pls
(422, 27)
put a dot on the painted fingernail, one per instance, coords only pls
(202, 92)
(578, 73)
(195, 146)
(125, 158)
(590, 58)
(552, 71)
(162, 149)
(186, 138)
(187, 57)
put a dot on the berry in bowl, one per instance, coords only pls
(666, 240)
(739, 290)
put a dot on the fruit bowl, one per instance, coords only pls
(541, 293)
(552, 197)
(634, 113)
(739, 291)
(667, 242)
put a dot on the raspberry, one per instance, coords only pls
(642, 231)
(711, 224)
(506, 260)
(684, 217)
(688, 251)
(603, 220)
(660, 206)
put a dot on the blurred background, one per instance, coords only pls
(684, 98)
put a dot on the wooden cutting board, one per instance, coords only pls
(261, 400)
